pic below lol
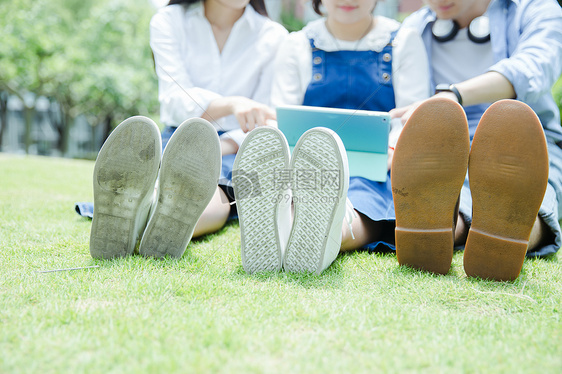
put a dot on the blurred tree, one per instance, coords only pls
(3, 112)
(92, 57)
(23, 52)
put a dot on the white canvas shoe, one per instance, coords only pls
(320, 182)
(124, 176)
(263, 198)
(188, 179)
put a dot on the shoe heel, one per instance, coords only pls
(491, 257)
(430, 250)
(166, 235)
(112, 237)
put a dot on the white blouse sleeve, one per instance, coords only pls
(291, 71)
(177, 95)
(271, 40)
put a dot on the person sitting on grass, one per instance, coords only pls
(482, 52)
(213, 59)
(349, 59)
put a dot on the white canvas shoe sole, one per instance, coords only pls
(124, 176)
(259, 187)
(320, 183)
(188, 179)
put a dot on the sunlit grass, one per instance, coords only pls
(202, 313)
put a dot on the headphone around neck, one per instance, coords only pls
(444, 30)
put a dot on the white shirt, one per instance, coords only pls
(192, 72)
(410, 70)
(461, 60)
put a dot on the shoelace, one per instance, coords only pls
(350, 214)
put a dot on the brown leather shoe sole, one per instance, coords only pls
(508, 174)
(428, 170)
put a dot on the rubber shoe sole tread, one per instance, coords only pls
(320, 183)
(508, 174)
(428, 170)
(259, 186)
(188, 179)
(124, 176)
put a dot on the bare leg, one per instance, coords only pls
(461, 231)
(216, 213)
(365, 231)
(228, 147)
(214, 216)
(539, 233)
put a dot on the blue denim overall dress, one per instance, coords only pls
(357, 80)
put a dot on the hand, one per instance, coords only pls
(404, 112)
(250, 114)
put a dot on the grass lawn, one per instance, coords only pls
(202, 313)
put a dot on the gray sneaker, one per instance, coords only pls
(320, 182)
(263, 199)
(124, 176)
(188, 179)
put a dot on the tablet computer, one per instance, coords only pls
(363, 133)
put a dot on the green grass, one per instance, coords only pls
(557, 93)
(202, 313)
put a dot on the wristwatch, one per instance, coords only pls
(449, 88)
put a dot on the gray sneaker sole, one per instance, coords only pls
(124, 175)
(258, 173)
(188, 179)
(317, 190)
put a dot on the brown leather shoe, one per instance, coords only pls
(428, 170)
(508, 174)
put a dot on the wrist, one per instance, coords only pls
(450, 91)
(226, 105)
(447, 95)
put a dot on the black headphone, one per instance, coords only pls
(444, 30)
